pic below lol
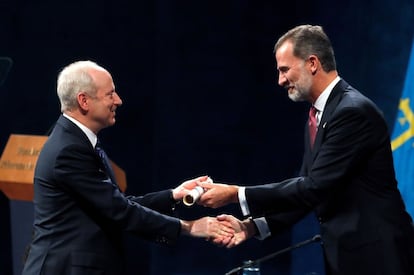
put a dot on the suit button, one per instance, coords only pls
(320, 220)
(163, 240)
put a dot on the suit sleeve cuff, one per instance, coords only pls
(262, 227)
(174, 203)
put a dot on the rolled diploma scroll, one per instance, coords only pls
(193, 195)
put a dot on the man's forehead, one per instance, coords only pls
(284, 55)
(285, 50)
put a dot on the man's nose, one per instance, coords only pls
(117, 99)
(281, 79)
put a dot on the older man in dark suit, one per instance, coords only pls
(347, 175)
(80, 213)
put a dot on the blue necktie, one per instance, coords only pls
(105, 160)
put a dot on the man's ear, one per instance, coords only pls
(83, 101)
(314, 63)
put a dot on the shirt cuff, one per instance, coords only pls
(262, 227)
(242, 200)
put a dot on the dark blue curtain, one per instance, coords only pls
(200, 94)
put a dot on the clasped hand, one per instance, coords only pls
(223, 230)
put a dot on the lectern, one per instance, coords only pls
(17, 165)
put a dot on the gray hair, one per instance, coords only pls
(310, 40)
(73, 79)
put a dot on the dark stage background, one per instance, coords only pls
(200, 96)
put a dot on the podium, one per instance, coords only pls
(17, 165)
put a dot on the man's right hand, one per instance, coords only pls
(217, 194)
(243, 230)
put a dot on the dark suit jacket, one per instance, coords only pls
(348, 179)
(80, 215)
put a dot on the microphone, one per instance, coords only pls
(316, 238)
(5, 65)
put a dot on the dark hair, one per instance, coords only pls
(308, 40)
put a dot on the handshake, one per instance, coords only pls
(223, 230)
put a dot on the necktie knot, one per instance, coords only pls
(100, 151)
(312, 111)
(105, 161)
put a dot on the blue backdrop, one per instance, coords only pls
(200, 94)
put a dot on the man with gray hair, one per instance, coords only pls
(80, 213)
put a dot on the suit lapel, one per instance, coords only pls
(81, 137)
(330, 107)
(74, 130)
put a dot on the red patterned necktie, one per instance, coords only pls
(313, 126)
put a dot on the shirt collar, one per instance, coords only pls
(323, 97)
(88, 132)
